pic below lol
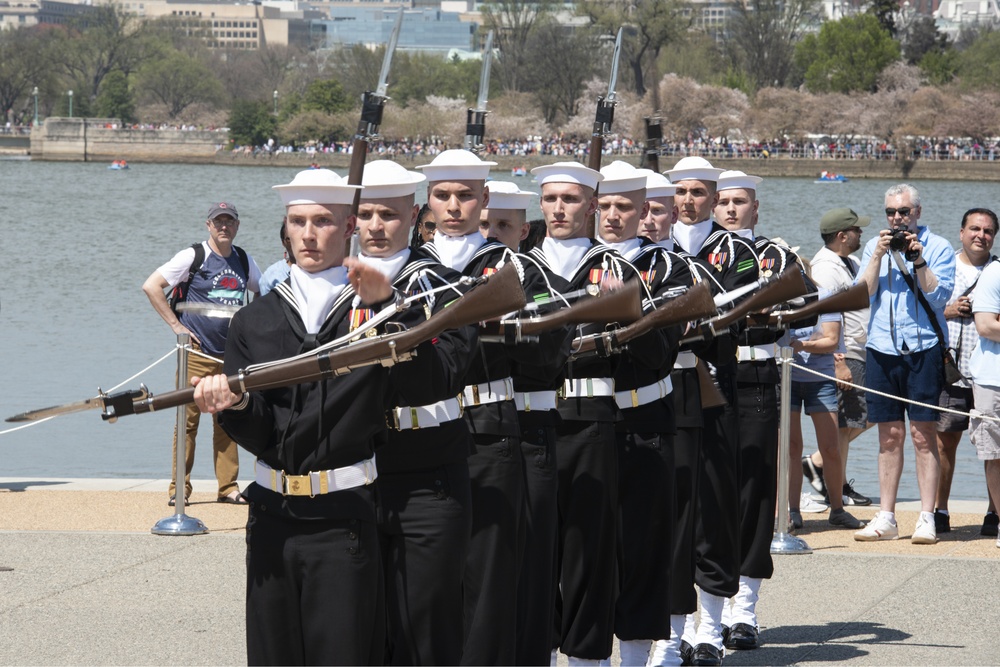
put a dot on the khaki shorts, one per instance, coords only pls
(985, 433)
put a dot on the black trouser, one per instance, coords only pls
(687, 473)
(490, 588)
(536, 590)
(758, 476)
(645, 535)
(314, 590)
(425, 520)
(588, 499)
(717, 543)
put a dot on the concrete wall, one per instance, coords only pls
(92, 140)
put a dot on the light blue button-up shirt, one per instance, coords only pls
(898, 323)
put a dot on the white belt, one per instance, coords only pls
(526, 401)
(755, 352)
(488, 392)
(587, 388)
(633, 398)
(425, 416)
(316, 483)
(686, 359)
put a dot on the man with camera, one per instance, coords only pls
(910, 273)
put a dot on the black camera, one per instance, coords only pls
(899, 243)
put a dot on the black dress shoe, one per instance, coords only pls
(686, 651)
(706, 654)
(741, 636)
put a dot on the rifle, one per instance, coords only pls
(845, 300)
(769, 292)
(475, 119)
(695, 303)
(620, 305)
(372, 104)
(604, 116)
(654, 139)
(490, 297)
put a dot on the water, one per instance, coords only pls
(79, 240)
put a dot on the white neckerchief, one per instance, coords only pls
(667, 243)
(627, 249)
(387, 266)
(316, 292)
(456, 251)
(565, 255)
(691, 237)
(745, 233)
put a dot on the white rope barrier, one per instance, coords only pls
(973, 413)
(114, 388)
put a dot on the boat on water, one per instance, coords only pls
(830, 177)
(518, 171)
(118, 165)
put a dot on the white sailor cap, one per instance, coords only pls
(456, 164)
(693, 168)
(506, 195)
(567, 172)
(317, 186)
(657, 185)
(385, 179)
(621, 177)
(737, 180)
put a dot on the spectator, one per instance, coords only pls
(985, 369)
(423, 231)
(908, 295)
(278, 271)
(834, 268)
(979, 229)
(213, 272)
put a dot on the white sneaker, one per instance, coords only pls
(925, 532)
(998, 543)
(877, 529)
(810, 505)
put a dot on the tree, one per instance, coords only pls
(24, 63)
(311, 126)
(979, 65)
(251, 123)
(102, 41)
(416, 77)
(847, 55)
(920, 37)
(512, 22)
(115, 99)
(649, 25)
(326, 96)
(762, 37)
(885, 12)
(178, 81)
(558, 75)
(695, 56)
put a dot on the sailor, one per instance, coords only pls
(661, 213)
(535, 388)
(588, 482)
(645, 433)
(729, 262)
(425, 508)
(456, 194)
(314, 582)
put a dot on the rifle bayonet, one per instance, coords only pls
(475, 119)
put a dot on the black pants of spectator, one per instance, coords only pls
(647, 514)
(493, 560)
(717, 540)
(314, 589)
(687, 473)
(758, 413)
(588, 517)
(536, 591)
(425, 521)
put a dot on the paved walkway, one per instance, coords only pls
(88, 584)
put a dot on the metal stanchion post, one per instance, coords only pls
(180, 523)
(783, 542)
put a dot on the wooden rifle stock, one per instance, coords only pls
(711, 395)
(788, 285)
(694, 304)
(496, 294)
(854, 297)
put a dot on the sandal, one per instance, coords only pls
(233, 498)
(173, 501)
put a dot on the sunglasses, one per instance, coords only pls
(428, 225)
(891, 212)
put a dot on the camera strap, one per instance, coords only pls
(921, 299)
